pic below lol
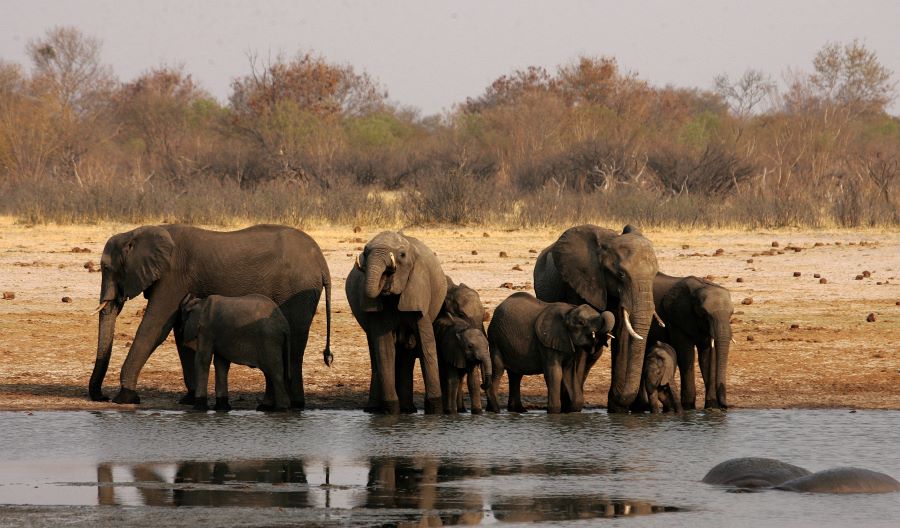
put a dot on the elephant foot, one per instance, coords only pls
(298, 404)
(516, 408)
(265, 407)
(127, 396)
(98, 396)
(688, 406)
(461, 409)
(372, 409)
(222, 405)
(200, 404)
(187, 399)
(477, 410)
(711, 404)
(433, 406)
(391, 407)
(408, 409)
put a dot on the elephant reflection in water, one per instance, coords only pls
(567, 507)
(213, 484)
(414, 483)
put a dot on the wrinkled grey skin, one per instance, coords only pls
(464, 303)
(170, 261)
(768, 473)
(659, 379)
(248, 330)
(398, 286)
(609, 271)
(697, 313)
(559, 340)
(462, 347)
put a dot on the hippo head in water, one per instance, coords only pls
(751, 473)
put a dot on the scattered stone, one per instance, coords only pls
(66, 299)
(532, 251)
(797, 274)
(816, 275)
(866, 274)
(749, 261)
(685, 246)
(140, 313)
(781, 252)
(710, 277)
(474, 252)
(9, 296)
(349, 254)
(487, 316)
(838, 243)
(823, 280)
(747, 300)
(797, 249)
(503, 254)
(77, 249)
(750, 338)
(507, 285)
(719, 252)
(358, 240)
(358, 248)
(795, 326)
(486, 234)
(871, 318)
(818, 244)
(357, 229)
(897, 303)
(89, 265)
(878, 283)
(774, 244)
(852, 243)
(517, 268)
(739, 279)
(858, 277)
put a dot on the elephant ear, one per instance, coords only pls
(190, 318)
(577, 256)
(550, 328)
(677, 303)
(426, 287)
(147, 257)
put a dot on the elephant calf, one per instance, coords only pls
(248, 330)
(559, 340)
(462, 346)
(658, 378)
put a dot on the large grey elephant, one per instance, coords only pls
(559, 340)
(397, 284)
(170, 261)
(609, 271)
(768, 473)
(248, 330)
(697, 313)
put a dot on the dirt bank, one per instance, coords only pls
(833, 358)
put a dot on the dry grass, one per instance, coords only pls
(834, 359)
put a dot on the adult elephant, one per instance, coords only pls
(611, 272)
(169, 262)
(397, 285)
(697, 313)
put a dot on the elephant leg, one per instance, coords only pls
(268, 402)
(460, 397)
(186, 356)
(222, 366)
(386, 355)
(299, 338)
(708, 372)
(452, 390)
(405, 366)
(515, 393)
(674, 403)
(280, 396)
(474, 390)
(430, 367)
(497, 368)
(684, 349)
(202, 361)
(373, 405)
(553, 378)
(155, 326)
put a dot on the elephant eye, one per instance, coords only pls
(403, 254)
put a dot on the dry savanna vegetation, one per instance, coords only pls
(808, 158)
(800, 343)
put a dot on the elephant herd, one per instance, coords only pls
(249, 297)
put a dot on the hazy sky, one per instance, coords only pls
(433, 54)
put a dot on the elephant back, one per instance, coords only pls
(512, 325)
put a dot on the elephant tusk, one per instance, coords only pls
(593, 335)
(733, 341)
(658, 319)
(359, 264)
(630, 329)
(393, 261)
(102, 306)
(610, 336)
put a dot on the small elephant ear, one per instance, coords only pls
(551, 330)
(190, 318)
(577, 256)
(147, 257)
(631, 229)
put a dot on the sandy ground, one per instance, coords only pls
(832, 358)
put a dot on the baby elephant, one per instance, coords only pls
(248, 330)
(462, 346)
(559, 340)
(658, 378)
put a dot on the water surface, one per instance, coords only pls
(346, 467)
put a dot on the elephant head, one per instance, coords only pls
(131, 263)
(615, 272)
(570, 329)
(389, 263)
(703, 308)
(473, 349)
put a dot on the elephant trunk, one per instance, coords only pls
(628, 357)
(375, 268)
(719, 361)
(486, 374)
(105, 333)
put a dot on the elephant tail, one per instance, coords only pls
(326, 354)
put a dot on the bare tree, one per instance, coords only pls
(746, 93)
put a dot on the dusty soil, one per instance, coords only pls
(833, 357)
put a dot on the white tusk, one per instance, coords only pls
(630, 328)
(393, 261)
(610, 336)
(593, 335)
(358, 264)
(733, 341)
(102, 306)
(658, 320)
